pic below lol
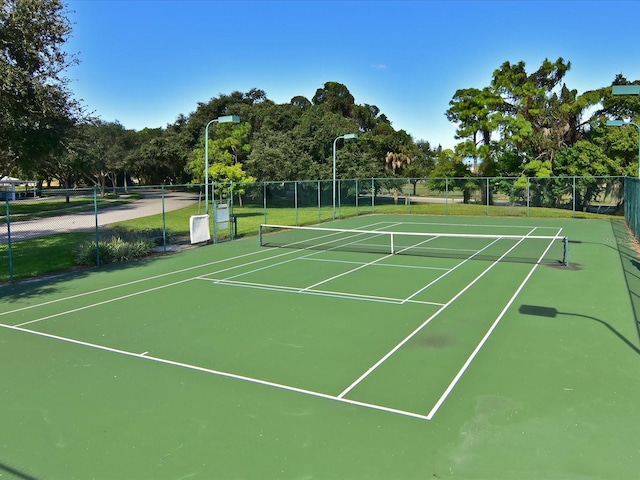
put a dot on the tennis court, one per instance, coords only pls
(382, 347)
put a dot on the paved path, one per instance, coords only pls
(150, 204)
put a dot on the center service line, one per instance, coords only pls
(427, 321)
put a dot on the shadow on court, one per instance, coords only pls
(48, 284)
(550, 312)
(628, 251)
(15, 472)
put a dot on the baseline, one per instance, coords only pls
(145, 356)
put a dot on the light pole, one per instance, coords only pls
(345, 136)
(225, 119)
(620, 123)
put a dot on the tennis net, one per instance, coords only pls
(548, 249)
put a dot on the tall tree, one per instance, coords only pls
(521, 121)
(336, 97)
(474, 112)
(422, 164)
(37, 110)
(451, 173)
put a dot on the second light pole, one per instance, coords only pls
(345, 136)
(225, 119)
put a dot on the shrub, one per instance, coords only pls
(119, 245)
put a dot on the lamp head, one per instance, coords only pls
(229, 119)
(626, 90)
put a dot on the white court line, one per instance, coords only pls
(249, 379)
(326, 293)
(141, 292)
(145, 356)
(133, 282)
(143, 280)
(362, 266)
(425, 323)
(484, 339)
(295, 389)
(492, 226)
(301, 257)
(396, 265)
(447, 273)
(174, 272)
(104, 302)
(310, 287)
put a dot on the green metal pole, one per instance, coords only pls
(528, 196)
(339, 199)
(164, 225)
(206, 166)
(264, 200)
(231, 222)
(446, 196)
(295, 199)
(573, 195)
(9, 240)
(95, 213)
(214, 212)
(487, 189)
(357, 197)
(373, 195)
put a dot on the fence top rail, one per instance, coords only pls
(407, 179)
(192, 186)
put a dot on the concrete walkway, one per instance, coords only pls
(150, 204)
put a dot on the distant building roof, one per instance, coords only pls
(8, 181)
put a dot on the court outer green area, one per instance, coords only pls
(166, 369)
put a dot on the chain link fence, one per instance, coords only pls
(45, 231)
(632, 205)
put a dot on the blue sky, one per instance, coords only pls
(144, 62)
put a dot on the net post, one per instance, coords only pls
(565, 251)
(393, 251)
(260, 235)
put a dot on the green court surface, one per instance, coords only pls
(461, 358)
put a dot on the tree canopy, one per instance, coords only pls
(37, 109)
(523, 123)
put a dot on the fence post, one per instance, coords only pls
(446, 195)
(339, 198)
(528, 197)
(488, 193)
(214, 211)
(164, 225)
(295, 199)
(95, 214)
(373, 195)
(573, 196)
(232, 222)
(264, 200)
(357, 196)
(319, 203)
(9, 246)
